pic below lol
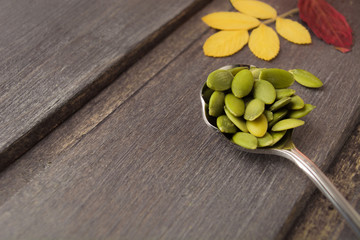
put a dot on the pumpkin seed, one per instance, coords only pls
(207, 94)
(258, 127)
(279, 78)
(264, 91)
(284, 92)
(287, 124)
(302, 112)
(216, 104)
(254, 109)
(277, 136)
(245, 140)
(269, 115)
(280, 103)
(265, 141)
(306, 78)
(225, 125)
(256, 72)
(235, 105)
(277, 116)
(296, 103)
(235, 70)
(243, 83)
(239, 122)
(219, 80)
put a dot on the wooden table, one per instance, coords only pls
(101, 135)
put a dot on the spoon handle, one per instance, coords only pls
(325, 186)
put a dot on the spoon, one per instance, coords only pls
(286, 148)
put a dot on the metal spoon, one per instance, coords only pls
(286, 148)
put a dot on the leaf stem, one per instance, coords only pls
(288, 13)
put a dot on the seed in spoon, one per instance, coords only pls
(239, 122)
(265, 141)
(264, 91)
(302, 112)
(284, 92)
(245, 140)
(254, 109)
(277, 136)
(279, 78)
(277, 116)
(269, 115)
(235, 105)
(216, 103)
(258, 127)
(225, 125)
(287, 124)
(235, 70)
(242, 84)
(256, 72)
(280, 103)
(219, 80)
(296, 103)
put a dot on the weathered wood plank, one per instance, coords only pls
(320, 220)
(142, 164)
(56, 55)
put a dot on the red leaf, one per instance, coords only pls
(327, 23)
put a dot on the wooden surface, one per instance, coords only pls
(137, 162)
(56, 55)
(320, 220)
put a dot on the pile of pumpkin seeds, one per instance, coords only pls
(255, 107)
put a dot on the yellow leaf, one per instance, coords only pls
(225, 43)
(254, 8)
(230, 21)
(292, 31)
(264, 42)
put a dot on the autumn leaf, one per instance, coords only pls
(327, 23)
(225, 43)
(254, 8)
(230, 21)
(264, 43)
(292, 31)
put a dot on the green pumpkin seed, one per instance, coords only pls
(242, 84)
(277, 116)
(296, 103)
(266, 140)
(279, 78)
(256, 72)
(284, 92)
(245, 140)
(287, 124)
(302, 112)
(239, 122)
(216, 104)
(264, 91)
(207, 94)
(225, 125)
(235, 70)
(258, 127)
(235, 105)
(219, 80)
(306, 78)
(277, 136)
(254, 109)
(269, 115)
(280, 103)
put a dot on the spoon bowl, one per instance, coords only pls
(286, 148)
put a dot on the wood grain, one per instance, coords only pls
(56, 55)
(320, 220)
(137, 162)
